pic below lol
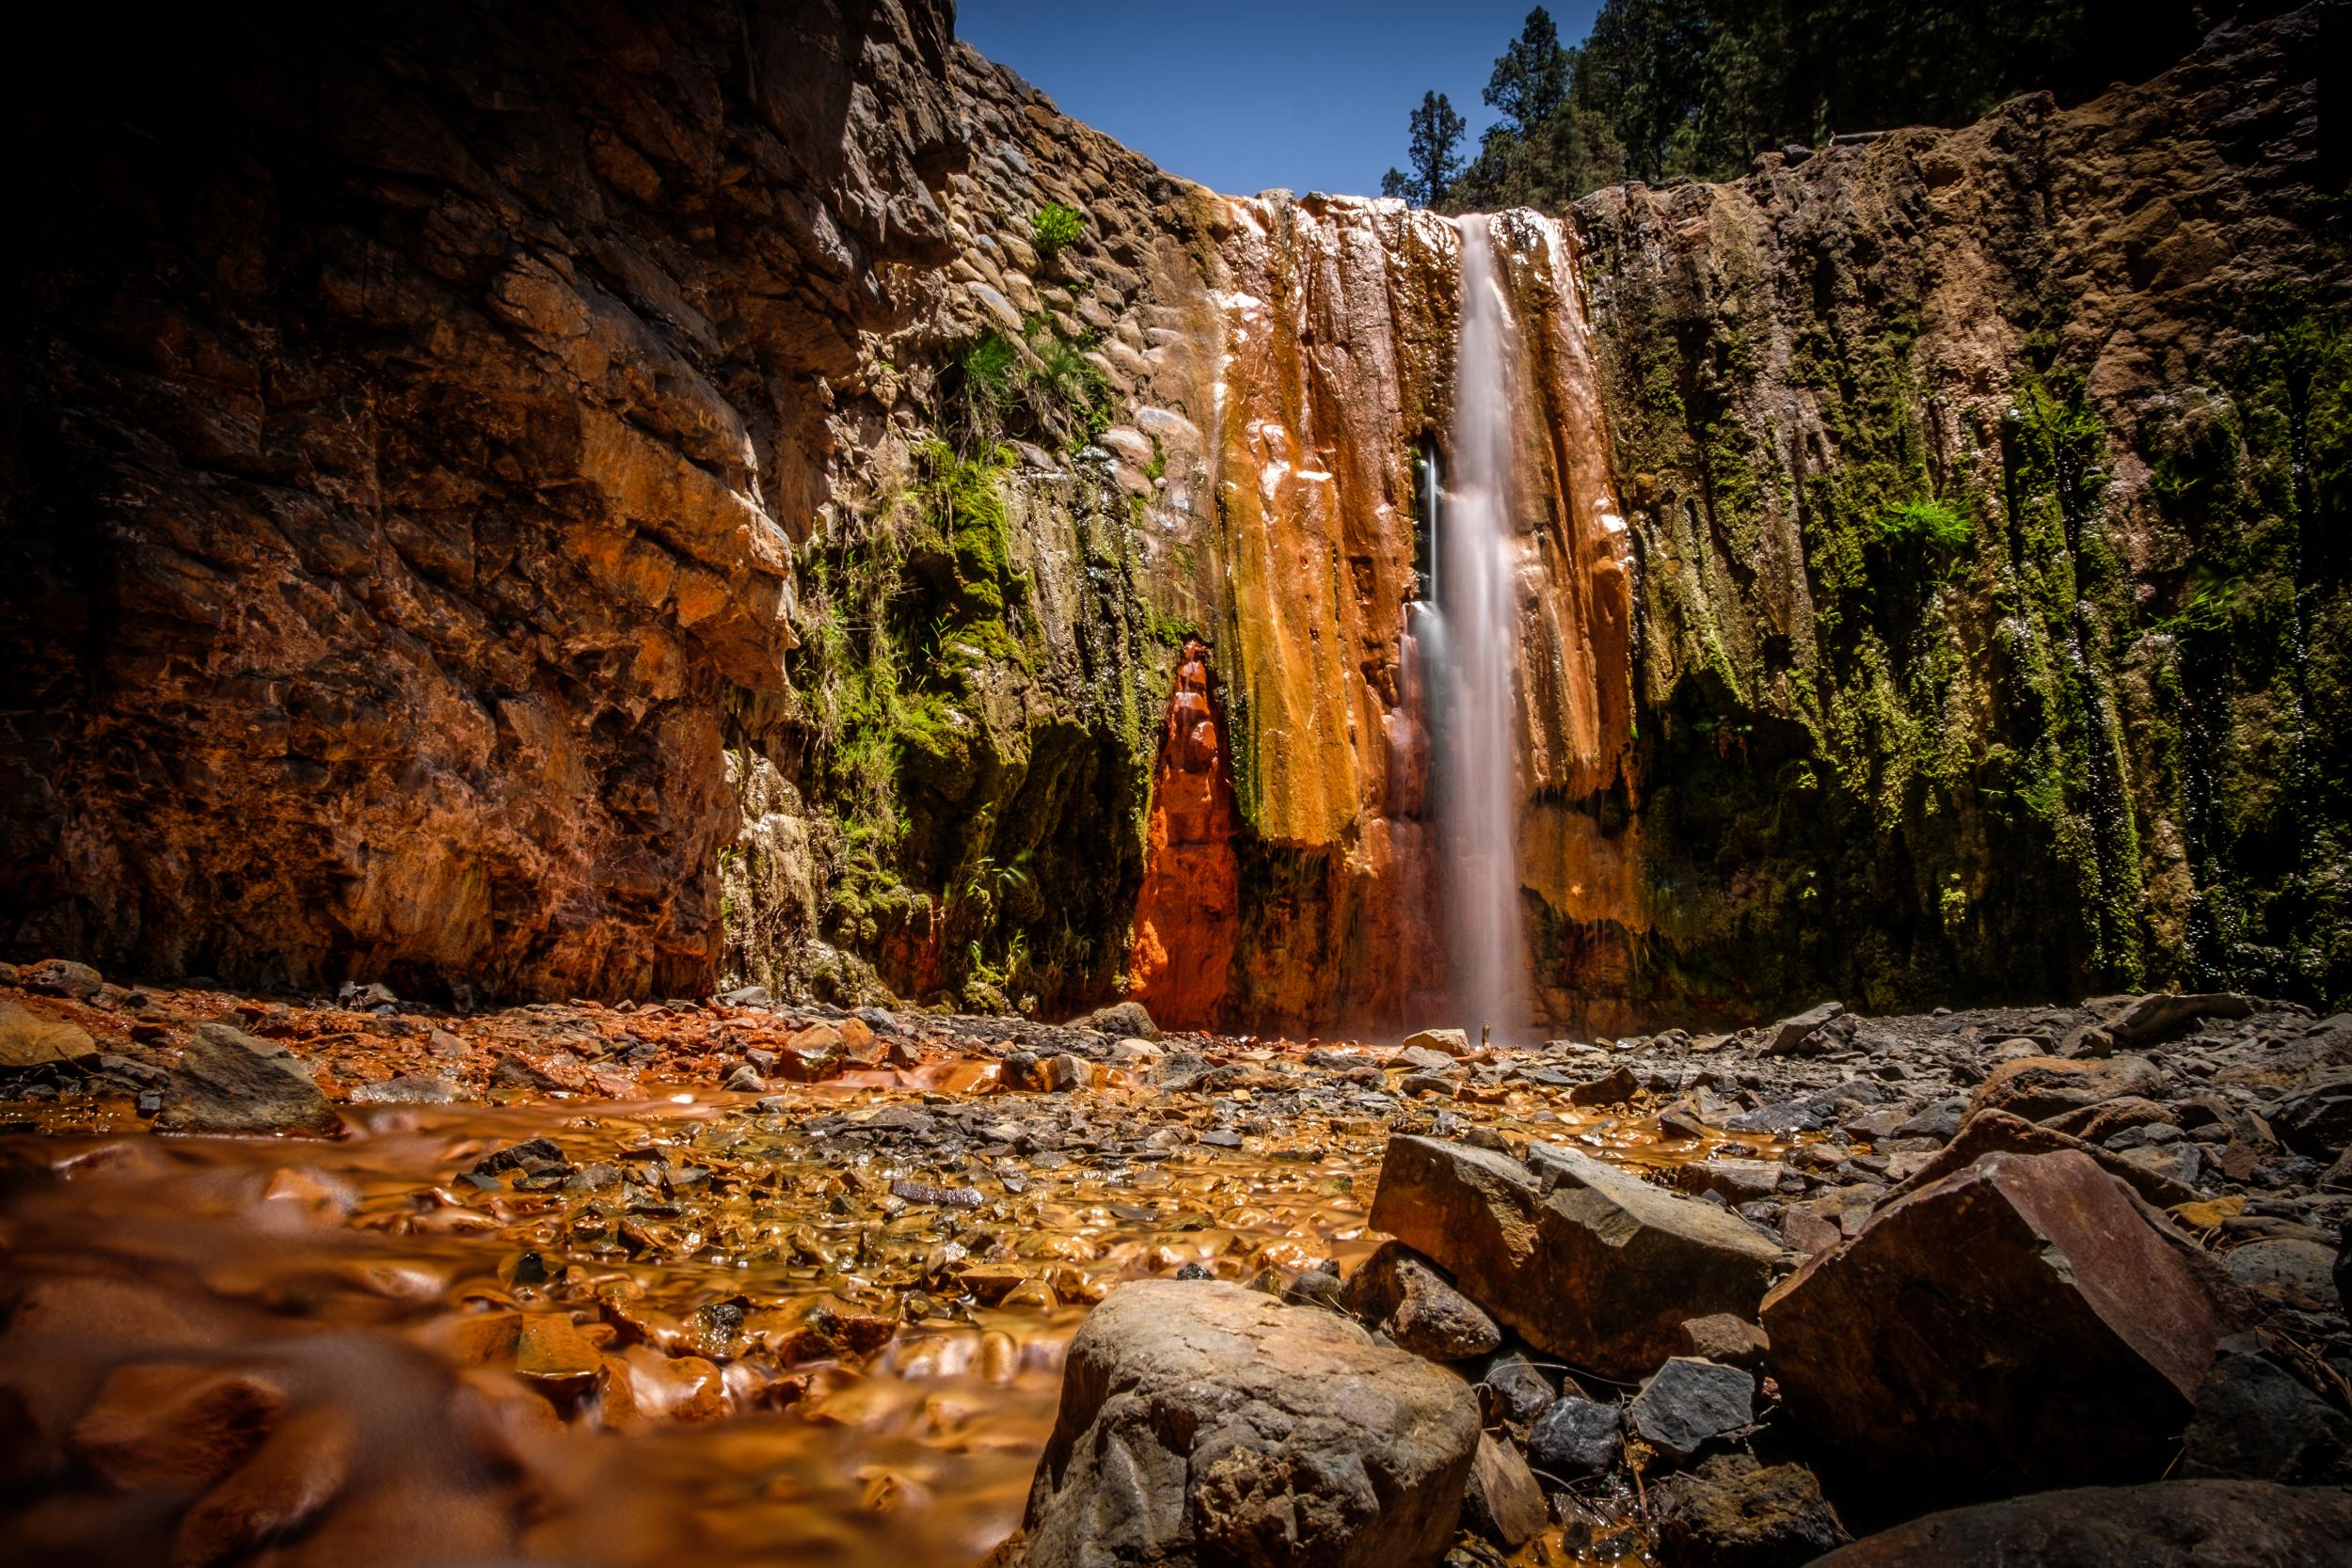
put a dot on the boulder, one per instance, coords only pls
(2041, 1088)
(63, 977)
(1688, 1403)
(1612, 1089)
(1404, 1296)
(31, 1040)
(229, 1082)
(1576, 1436)
(1504, 1503)
(2019, 1323)
(2151, 1020)
(2211, 1524)
(1733, 1513)
(1999, 1133)
(2293, 1269)
(1800, 1035)
(1120, 1018)
(1720, 1337)
(1733, 1180)
(2256, 1422)
(1520, 1390)
(1446, 1042)
(1586, 1261)
(2317, 1118)
(1206, 1424)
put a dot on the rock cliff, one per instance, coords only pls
(596, 500)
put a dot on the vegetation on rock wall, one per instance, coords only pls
(962, 758)
(2003, 742)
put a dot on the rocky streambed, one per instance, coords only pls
(353, 1280)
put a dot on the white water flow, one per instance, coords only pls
(1477, 607)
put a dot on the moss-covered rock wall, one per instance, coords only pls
(1988, 487)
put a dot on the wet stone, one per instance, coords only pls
(1732, 1512)
(1691, 1402)
(1406, 1297)
(1576, 1436)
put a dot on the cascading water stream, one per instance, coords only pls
(1475, 628)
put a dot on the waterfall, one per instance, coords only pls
(1476, 616)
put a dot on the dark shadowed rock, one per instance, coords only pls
(2290, 1269)
(1521, 1390)
(1576, 1436)
(2317, 1118)
(2209, 1524)
(1404, 1296)
(1504, 1503)
(1587, 1262)
(2257, 1421)
(1614, 1088)
(1732, 1512)
(2018, 1324)
(229, 1082)
(1689, 1404)
(1205, 1424)
(1802, 1034)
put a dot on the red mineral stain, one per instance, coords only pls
(1186, 917)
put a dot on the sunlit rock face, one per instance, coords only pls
(1339, 322)
(1181, 965)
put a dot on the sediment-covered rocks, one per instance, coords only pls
(1586, 1261)
(1204, 1424)
(2015, 1325)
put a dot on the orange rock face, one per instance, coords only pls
(1188, 917)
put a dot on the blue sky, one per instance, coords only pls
(1245, 97)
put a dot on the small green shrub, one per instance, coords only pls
(1940, 525)
(1055, 226)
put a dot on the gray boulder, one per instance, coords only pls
(1206, 1424)
(229, 1082)
(1121, 1019)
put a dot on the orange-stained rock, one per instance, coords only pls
(1188, 915)
(171, 1424)
(294, 1476)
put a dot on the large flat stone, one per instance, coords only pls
(1203, 1424)
(2020, 1323)
(229, 1082)
(2209, 1524)
(1588, 1262)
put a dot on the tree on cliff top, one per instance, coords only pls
(1662, 90)
(1433, 152)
